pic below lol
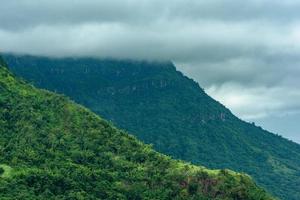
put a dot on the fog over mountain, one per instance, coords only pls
(246, 54)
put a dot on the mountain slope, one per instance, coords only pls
(161, 106)
(52, 148)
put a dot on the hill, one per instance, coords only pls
(52, 148)
(161, 106)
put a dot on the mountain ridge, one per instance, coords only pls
(52, 148)
(163, 107)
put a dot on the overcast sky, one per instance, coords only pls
(246, 54)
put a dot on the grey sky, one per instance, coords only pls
(246, 54)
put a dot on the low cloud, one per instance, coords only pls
(257, 102)
(246, 53)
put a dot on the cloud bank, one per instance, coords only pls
(246, 53)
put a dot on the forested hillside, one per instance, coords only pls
(162, 107)
(52, 148)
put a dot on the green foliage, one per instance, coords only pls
(164, 108)
(52, 148)
(2, 62)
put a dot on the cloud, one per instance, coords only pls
(28, 13)
(258, 102)
(244, 53)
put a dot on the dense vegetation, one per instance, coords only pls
(162, 107)
(52, 148)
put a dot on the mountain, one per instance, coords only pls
(163, 107)
(53, 148)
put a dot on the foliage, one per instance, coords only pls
(164, 108)
(52, 148)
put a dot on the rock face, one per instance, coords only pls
(163, 107)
